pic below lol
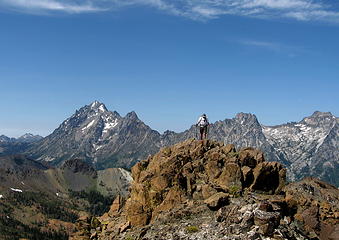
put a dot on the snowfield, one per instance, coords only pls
(16, 190)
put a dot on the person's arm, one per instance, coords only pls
(198, 121)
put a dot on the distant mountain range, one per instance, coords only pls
(26, 138)
(14, 145)
(306, 148)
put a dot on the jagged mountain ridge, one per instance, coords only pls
(14, 145)
(100, 136)
(306, 148)
(310, 147)
(243, 131)
(108, 140)
(27, 137)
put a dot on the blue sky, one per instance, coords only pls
(169, 61)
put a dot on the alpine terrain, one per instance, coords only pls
(15, 145)
(38, 201)
(206, 190)
(99, 136)
(106, 139)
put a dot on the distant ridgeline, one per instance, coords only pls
(106, 139)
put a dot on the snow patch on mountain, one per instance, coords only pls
(88, 125)
(109, 125)
(97, 147)
(95, 103)
(16, 190)
(289, 136)
(102, 108)
(126, 174)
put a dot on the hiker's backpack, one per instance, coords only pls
(203, 122)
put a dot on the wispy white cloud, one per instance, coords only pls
(277, 47)
(280, 4)
(302, 10)
(268, 45)
(315, 15)
(50, 5)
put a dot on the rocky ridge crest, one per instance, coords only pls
(208, 190)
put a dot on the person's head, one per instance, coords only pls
(204, 115)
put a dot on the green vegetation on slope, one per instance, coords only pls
(51, 208)
(12, 229)
(26, 215)
(98, 203)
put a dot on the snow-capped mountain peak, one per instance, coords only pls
(98, 135)
(98, 106)
(307, 148)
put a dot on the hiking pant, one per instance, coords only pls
(203, 132)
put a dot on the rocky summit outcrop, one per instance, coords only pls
(208, 190)
(197, 171)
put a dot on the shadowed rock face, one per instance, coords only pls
(79, 166)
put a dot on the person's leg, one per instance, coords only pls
(201, 133)
(205, 132)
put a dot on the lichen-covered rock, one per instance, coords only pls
(316, 206)
(267, 221)
(217, 201)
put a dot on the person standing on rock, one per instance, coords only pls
(203, 125)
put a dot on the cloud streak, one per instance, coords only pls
(36, 6)
(277, 47)
(301, 10)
